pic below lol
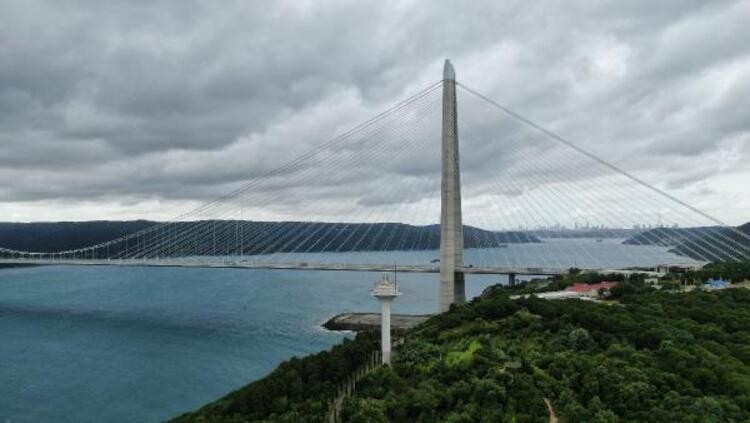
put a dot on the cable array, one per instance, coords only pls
(552, 182)
(532, 198)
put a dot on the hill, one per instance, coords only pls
(58, 236)
(657, 356)
(583, 233)
(699, 243)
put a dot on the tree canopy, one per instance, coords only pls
(652, 357)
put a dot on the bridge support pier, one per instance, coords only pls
(452, 283)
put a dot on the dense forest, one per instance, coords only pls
(700, 243)
(645, 356)
(59, 236)
(298, 390)
(734, 272)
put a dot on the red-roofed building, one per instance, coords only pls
(591, 290)
(581, 291)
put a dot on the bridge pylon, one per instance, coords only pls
(452, 283)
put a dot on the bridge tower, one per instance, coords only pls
(452, 289)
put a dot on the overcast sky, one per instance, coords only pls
(124, 110)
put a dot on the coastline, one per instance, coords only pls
(361, 322)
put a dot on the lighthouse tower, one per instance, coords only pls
(385, 291)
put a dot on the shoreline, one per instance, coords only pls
(362, 322)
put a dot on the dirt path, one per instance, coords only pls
(552, 415)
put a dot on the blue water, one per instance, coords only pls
(92, 344)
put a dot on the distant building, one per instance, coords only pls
(676, 268)
(591, 290)
(580, 290)
(715, 284)
(556, 295)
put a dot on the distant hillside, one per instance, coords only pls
(316, 236)
(583, 233)
(58, 236)
(667, 237)
(699, 243)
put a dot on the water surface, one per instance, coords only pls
(91, 344)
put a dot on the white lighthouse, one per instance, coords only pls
(385, 291)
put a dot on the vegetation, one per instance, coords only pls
(299, 390)
(60, 236)
(700, 243)
(561, 282)
(655, 356)
(659, 357)
(735, 272)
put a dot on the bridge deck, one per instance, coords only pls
(247, 264)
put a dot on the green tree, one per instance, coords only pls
(579, 339)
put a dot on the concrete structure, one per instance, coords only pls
(552, 295)
(579, 290)
(663, 269)
(371, 321)
(385, 291)
(452, 284)
(247, 262)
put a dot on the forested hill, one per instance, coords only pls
(584, 233)
(699, 243)
(59, 236)
(654, 357)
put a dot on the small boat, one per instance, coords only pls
(437, 260)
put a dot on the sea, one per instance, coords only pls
(143, 344)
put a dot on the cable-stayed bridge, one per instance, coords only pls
(330, 207)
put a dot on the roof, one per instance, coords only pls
(717, 283)
(585, 287)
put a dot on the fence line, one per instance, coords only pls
(347, 388)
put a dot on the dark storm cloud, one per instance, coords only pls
(121, 102)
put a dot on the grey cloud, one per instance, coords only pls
(185, 100)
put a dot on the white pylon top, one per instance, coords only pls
(448, 72)
(385, 288)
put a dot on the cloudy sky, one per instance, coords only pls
(124, 110)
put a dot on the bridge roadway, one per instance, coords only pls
(248, 264)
